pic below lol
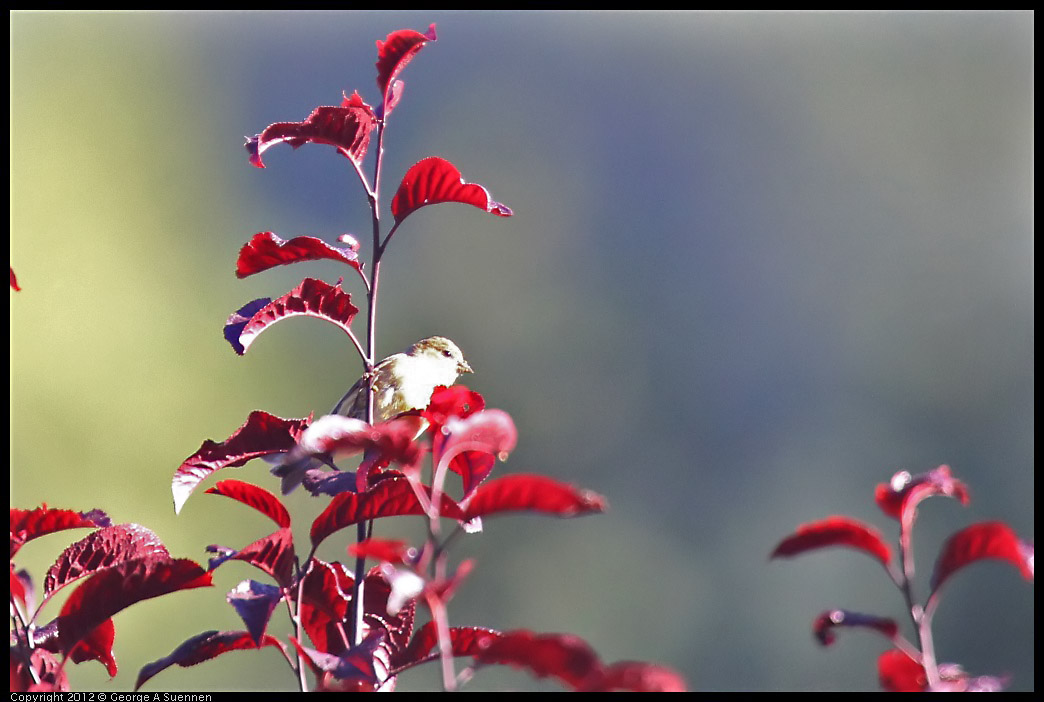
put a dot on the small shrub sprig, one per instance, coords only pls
(909, 667)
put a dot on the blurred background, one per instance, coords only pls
(758, 263)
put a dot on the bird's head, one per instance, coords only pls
(439, 347)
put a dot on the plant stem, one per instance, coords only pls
(363, 529)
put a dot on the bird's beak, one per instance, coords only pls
(463, 367)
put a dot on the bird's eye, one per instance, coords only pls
(446, 353)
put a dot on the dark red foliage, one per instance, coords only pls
(397, 50)
(398, 627)
(636, 676)
(327, 588)
(458, 401)
(897, 672)
(824, 625)
(389, 442)
(473, 467)
(834, 531)
(266, 250)
(29, 524)
(900, 497)
(263, 434)
(251, 495)
(464, 641)
(325, 604)
(48, 670)
(97, 646)
(472, 443)
(355, 665)
(312, 298)
(346, 127)
(273, 554)
(571, 660)
(203, 647)
(111, 590)
(994, 540)
(564, 656)
(102, 549)
(533, 493)
(254, 602)
(436, 180)
(387, 498)
(466, 438)
(387, 551)
(21, 587)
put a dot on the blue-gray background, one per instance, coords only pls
(759, 262)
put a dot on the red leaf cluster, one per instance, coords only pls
(574, 662)
(898, 669)
(346, 127)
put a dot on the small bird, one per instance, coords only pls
(404, 381)
(401, 382)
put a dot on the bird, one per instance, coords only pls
(401, 382)
(404, 381)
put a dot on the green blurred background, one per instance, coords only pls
(759, 262)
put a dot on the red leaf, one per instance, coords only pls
(14, 281)
(251, 495)
(490, 431)
(327, 588)
(266, 250)
(824, 625)
(21, 588)
(356, 665)
(388, 498)
(334, 434)
(327, 594)
(900, 497)
(834, 531)
(274, 554)
(566, 657)
(103, 549)
(254, 602)
(30, 524)
(986, 540)
(47, 669)
(262, 434)
(633, 676)
(457, 401)
(535, 493)
(473, 467)
(346, 127)
(312, 298)
(203, 647)
(377, 593)
(897, 672)
(388, 551)
(392, 56)
(111, 590)
(97, 646)
(464, 641)
(436, 180)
